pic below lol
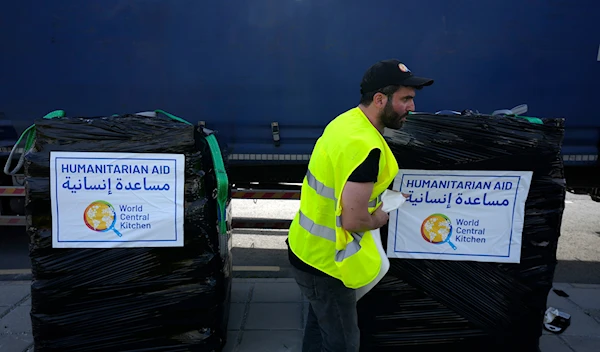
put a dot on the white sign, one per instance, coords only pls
(459, 215)
(109, 200)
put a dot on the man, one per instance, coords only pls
(330, 244)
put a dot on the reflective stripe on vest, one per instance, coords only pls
(316, 229)
(352, 247)
(328, 192)
(319, 187)
(329, 234)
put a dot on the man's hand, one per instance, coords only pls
(380, 217)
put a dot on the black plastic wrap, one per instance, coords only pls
(128, 299)
(465, 305)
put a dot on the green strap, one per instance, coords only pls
(30, 133)
(222, 182)
(29, 141)
(534, 120)
(222, 179)
(172, 116)
(54, 114)
(31, 136)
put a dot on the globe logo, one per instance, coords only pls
(100, 216)
(437, 229)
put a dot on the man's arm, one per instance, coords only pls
(356, 194)
(355, 208)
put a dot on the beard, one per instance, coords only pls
(390, 118)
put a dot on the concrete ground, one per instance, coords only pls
(268, 315)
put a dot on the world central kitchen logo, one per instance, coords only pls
(438, 229)
(100, 216)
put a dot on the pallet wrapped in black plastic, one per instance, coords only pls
(465, 305)
(128, 299)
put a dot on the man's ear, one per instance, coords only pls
(380, 100)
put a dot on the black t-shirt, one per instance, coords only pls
(365, 172)
(368, 170)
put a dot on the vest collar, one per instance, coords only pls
(366, 119)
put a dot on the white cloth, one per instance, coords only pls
(392, 200)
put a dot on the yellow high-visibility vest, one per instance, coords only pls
(316, 235)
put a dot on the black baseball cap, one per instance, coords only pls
(391, 72)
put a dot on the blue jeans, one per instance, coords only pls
(332, 323)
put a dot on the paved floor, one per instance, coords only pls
(15, 324)
(267, 315)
